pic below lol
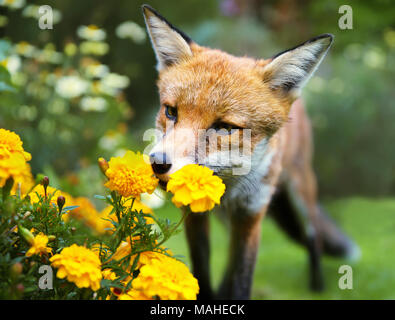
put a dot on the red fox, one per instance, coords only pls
(207, 89)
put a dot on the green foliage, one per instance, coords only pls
(19, 273)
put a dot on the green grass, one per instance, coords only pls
(282, 270)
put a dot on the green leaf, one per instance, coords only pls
(69, 208)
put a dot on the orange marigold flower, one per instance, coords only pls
(196, 186)
(131, 175)
(87, 213)
(79, 265)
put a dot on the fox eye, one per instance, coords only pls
(223, 126)
(171, 112)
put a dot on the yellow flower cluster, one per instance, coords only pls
(79, 265)
(163, 277)
(197, 187)
(130, 175)
(13, 161)
(39, 245)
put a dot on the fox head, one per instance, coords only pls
(206, 95)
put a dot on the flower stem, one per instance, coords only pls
(184, 215)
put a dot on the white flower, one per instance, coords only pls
(132, 30)
(71, 86)
(93, 104)
(95, 48)
(91, 32)
(154, 200)
(25, 49)
(115, 80)
(12, 63)
(12, 4)
(112, 83)
(50, 56)
(97, 70)
(102, 88)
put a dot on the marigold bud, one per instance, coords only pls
(39, 178)
(51, 238)
(103, 165)
(45, 183)
(26, 234)
(117, 291)
(61, 201)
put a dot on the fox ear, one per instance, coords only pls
(291, 69)
(170, 44)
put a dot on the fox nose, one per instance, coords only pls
(160, 162)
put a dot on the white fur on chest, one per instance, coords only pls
(249, 192)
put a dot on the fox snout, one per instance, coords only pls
(160, 162)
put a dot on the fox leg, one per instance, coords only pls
(197, 232)
(244, 243)
(290, 218)
(302, 191)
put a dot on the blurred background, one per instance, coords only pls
(86, 88)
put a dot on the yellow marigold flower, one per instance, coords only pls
(166, 278)
(131, 175)
(39, 245)
(12, 156)
(11, 143)
(125, 248)
(196, 186)
(109, 274)
(79, 265)
(133, 295)
(23, 181)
